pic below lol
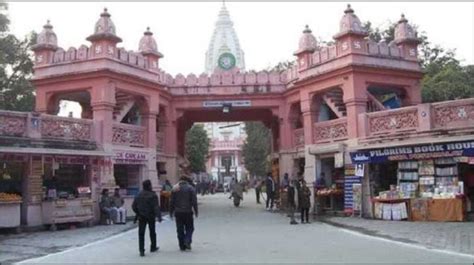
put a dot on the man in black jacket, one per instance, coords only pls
(182, 203)
(270, 190)
(147, 209)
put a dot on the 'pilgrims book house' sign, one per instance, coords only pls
(416, 152)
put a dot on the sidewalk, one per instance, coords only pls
(16, 247)
(452, 236)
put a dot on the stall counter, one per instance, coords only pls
(10, 214)
(67, 211)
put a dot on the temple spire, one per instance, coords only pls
(224, 40)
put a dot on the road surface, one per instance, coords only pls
(249, 234)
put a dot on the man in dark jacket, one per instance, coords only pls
(270, 190)
(291, 201)
(147, 209)
(182, 203)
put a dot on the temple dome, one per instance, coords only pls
(404, 32)
(350, 24)
(307, 42)
(47, 38)
(147, 44)
(104, 29)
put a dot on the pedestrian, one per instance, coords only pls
(291, 200)
(304, 201)
(286, 181)
(183, 203)
(147, 208)
(270, 190)
(120, 213)
(258, 190)
(105, 206)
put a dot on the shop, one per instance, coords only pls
(431, 182)
(12, 174)
(329, 185)
(67, 188)
(129, 167)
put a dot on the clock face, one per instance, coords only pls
(226, 61)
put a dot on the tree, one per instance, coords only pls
(16, 67)
(197, 148)
(444, 77)
(256, 148)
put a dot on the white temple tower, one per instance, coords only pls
(224, 52)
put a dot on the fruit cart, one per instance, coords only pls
(10, 210)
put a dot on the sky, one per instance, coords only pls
(268, 31)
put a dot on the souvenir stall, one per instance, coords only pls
(12, 171)
(67, 189)
(425, 184)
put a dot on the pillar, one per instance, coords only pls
(355, 98)
(103, 102)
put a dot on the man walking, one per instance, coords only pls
(258, 189)
(183, 202)
(147, 209)
(270, 189)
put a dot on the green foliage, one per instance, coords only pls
(444, 77)
(197, 148)
(16, 67)
(256, 148)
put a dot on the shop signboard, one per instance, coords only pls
(339, 160)
(349, 180)
(357, 197)
(220, 103)
(130, 157)
(416, 152)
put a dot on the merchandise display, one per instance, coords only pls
(9, 197)
(329, 191)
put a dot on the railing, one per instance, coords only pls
(383, 122)
(226, 144)
(329, 131)
(126, 134)
(13, 123)
(35, 125)
(55, 127)
(160, 141)
(450, 114)
(298, 137)
(424, 118)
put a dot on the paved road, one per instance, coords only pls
(225, 234)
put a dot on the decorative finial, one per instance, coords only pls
(48, 25)
(349, 9)
(148, 32)
(105, 13)
(307, 29)
(402, 19)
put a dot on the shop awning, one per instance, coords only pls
(52, 151)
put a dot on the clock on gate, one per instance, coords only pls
(226, 61)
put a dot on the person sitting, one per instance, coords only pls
(105, 206)
(119, 212)
(321, 181)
